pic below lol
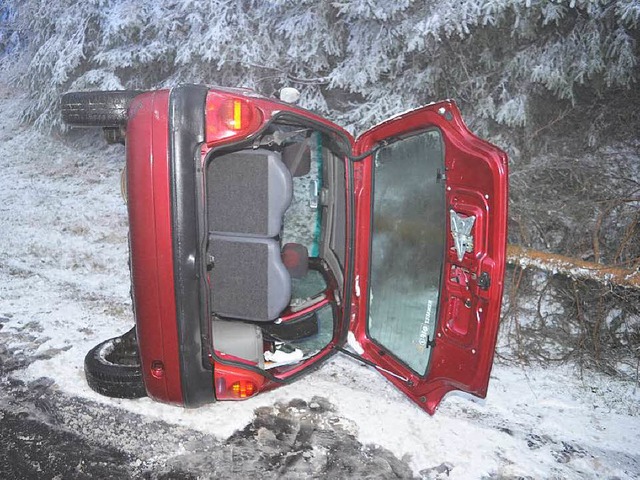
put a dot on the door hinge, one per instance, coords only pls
(440, 176)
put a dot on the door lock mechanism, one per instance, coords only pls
(484, 281)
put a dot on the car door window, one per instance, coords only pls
(311, 285)
(302, 220)
(408, 234)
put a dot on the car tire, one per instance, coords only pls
(97, 109)
(112, 367)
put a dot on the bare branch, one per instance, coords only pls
(573, 267)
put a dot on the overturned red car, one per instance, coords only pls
(264, 239)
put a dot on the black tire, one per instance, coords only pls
(112, 367)
(97, 109)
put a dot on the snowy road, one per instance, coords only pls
(64, 287)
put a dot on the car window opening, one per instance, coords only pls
(276, 216)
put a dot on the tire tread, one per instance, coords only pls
(97, 108)
(113, 380)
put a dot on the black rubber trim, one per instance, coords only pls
(186, 135)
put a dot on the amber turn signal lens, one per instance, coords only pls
(243, 389)
(236, 115)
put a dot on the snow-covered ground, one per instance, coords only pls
(64, 287)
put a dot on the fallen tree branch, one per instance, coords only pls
(572, 267)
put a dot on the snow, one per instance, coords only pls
(64, 287)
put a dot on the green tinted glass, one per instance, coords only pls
(311, 285)
(408, 235)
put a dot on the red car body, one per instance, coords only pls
(171, 134)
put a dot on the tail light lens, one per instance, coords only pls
(234, 383)
(230, 117)
(243, 389)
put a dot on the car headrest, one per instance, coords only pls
(297, 158)
(296, 259)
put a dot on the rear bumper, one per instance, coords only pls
(166, 131)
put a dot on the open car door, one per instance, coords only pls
(431, 220)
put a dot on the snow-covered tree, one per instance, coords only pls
(9, 38)
(358, 61)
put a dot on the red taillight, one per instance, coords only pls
(236, 383)
(229, 117)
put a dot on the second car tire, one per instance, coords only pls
(112, 368)
(97, 109)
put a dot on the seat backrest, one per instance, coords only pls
(247, 194)
(249, 280)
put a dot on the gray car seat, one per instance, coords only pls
(247, 194)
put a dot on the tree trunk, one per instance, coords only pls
(572, 267)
